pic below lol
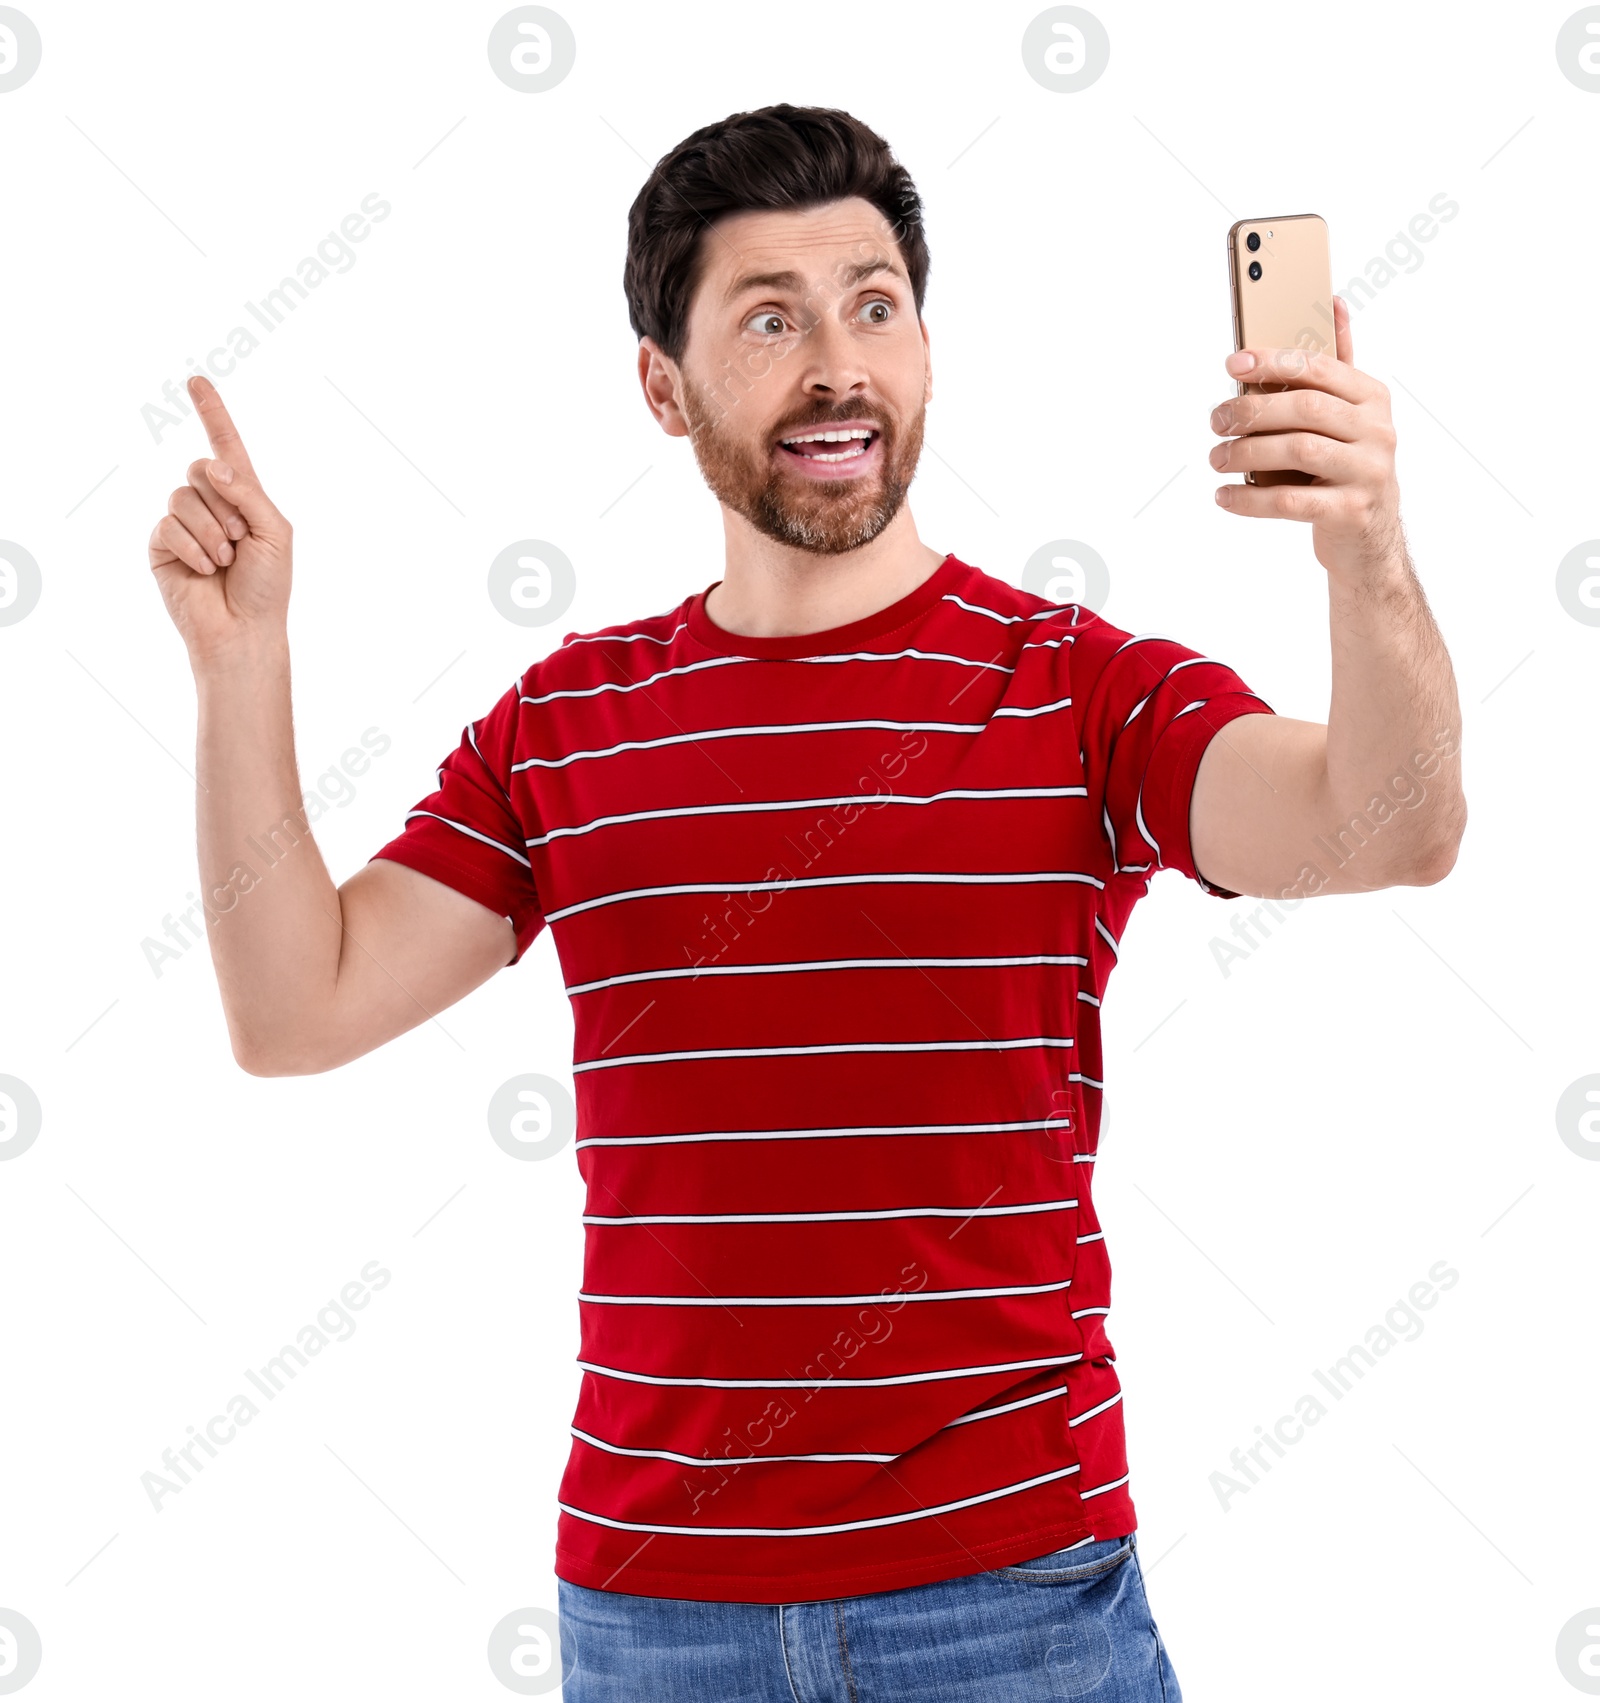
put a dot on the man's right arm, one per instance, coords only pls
(311, 975)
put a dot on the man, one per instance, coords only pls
(836, 854)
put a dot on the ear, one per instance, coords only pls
(927, 361)
(659, 379)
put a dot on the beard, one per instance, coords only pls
(826, 517)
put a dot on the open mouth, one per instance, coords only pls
(825, 447)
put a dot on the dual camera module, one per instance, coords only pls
(1253, 242)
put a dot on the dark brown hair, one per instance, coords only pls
(776, 157)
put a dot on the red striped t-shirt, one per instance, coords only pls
(836, 913)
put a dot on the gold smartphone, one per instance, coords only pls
(1281, 281)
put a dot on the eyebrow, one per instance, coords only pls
(793, 282)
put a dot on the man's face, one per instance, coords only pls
(805, 322)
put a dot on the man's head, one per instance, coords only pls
(775, 278)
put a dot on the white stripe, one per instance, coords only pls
(717, 1460)
(1082, 1312)
(829, 1382)
(760, 1460)
(826, 1133)
(633, 685)
(1139, 823)
(779, 804)
(1106, 827)
(807, 964)
(732, 661)
(1088, 998)
(858, 1216)
(1007, 1045)
(471, 833)
(1095, 1412)
(1024, 877)
(1107, 936)
(1101, 1489)
(896, 655)
(627, 638)
(994, 615)
(823, 1300)
(816, 1531)
(1041, 709)
(751, 731)
(472, 739)
(1088, 1081)
(1008, 1406)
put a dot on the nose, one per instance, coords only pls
(834, 363)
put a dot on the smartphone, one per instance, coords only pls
(1281, 280)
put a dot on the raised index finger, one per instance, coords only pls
(223, 435)
(1299, 369)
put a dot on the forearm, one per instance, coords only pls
(1394, 722)
(272, 911)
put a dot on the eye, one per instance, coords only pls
(766, 314)
(884, 303)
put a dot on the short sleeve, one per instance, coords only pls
(1147, 708)
(466, 832)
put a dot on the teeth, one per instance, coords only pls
(831, 437)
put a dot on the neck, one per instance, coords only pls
(770, 590)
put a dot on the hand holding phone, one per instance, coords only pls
(1333, 466)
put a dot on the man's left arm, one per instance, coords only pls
(1286, 808)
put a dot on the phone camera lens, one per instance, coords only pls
(1255, 269)
(1253, 241)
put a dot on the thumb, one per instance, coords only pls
(241, 487)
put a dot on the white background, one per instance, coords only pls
(1289, 1148)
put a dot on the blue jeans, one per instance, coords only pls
(1073, 1623)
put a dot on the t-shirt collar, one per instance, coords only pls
(920, 598)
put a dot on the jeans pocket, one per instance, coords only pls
(1076, 1561)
